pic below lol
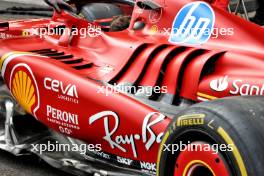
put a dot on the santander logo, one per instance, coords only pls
(239, 86)
(219, 84)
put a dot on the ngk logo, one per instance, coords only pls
(148, 166)
(60, 87)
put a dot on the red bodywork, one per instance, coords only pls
(127, 128)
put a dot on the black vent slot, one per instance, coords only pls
(4, 25)
(42, 51)
(131, 60)
(66, 56)
(153, 54)
(168, 59)
(54, 54)
(69, 59)
(82, 66)
(209, 67)
(72, 61)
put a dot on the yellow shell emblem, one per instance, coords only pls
(23, 90)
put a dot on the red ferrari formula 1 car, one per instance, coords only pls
(92, 100)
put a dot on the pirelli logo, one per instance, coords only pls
(191, 120)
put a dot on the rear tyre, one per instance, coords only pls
(233, 126)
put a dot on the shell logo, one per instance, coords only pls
(24, 89)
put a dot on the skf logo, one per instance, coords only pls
(193, 24)
(24, 88)
(58, 86)
(219, 84)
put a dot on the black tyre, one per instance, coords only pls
(236, 124)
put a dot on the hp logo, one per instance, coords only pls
(193, 24)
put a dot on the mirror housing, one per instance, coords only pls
(4, 26)
(148, 5)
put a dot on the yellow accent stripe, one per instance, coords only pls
(235, 151)
(206, 96)
(3, 58)
(196, 162)
(160, 149)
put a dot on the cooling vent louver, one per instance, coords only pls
(69, 59)
(157, 66)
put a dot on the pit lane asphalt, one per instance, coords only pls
(4, 5)
(11, 165)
